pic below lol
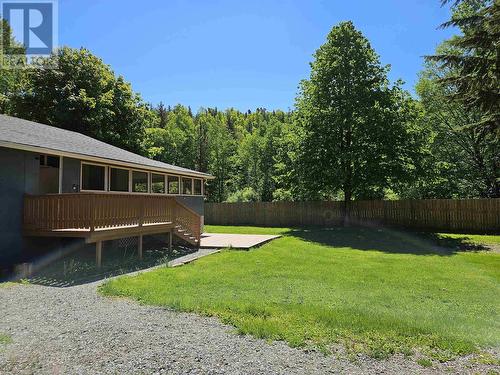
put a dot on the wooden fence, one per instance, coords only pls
(454, 215)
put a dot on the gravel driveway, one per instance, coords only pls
(74, 330)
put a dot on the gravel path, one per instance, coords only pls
(74, 330)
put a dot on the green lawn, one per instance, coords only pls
(5, 339)
(478, 239)
(372, 290)
(6, 284)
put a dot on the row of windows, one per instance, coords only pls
(95, 177)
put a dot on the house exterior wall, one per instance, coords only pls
(19, 175)
(71, 175)
(197, 204)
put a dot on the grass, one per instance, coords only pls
(5, 339)
(424, 362)
(7, 284)
(476, 239)
(375, 291)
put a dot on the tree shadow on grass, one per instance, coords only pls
(79, 266)
(387, 240)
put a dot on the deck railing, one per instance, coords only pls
(91, 211)
(188, 220)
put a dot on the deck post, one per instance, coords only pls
(98, 253)
(140, 246)
(170, 239)
(61, 163)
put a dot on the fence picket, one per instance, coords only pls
(458, 215)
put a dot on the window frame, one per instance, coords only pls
(149, 173)
(201, 187)
(148, 178)
(109, 180)
(179, 182)
(165, 187)
(105, 177)
(182, 186)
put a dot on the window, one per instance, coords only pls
(139, 182)
(157, 183)
(173, 184)
(187, 187)
(49, 161)
(92, 177)
(118, 179)
(197, 187)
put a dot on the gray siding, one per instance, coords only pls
(18, 175)
(195, 203)
(71, 175)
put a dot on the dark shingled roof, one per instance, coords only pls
(22, 132)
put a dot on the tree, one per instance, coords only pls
(463, 160)
(257, 139)
(12, 78)
(203, 120)
(248, 194)
(355, 134)
(474, 62)
(289, 185)
(163, 115)
(270, 145)
(175, 142)
(82, 94)
(220, 159)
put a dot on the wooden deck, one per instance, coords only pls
(100, 216)
(104, 234)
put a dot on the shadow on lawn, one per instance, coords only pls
(79, 267)
(387, 240)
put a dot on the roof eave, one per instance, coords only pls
(75, 155)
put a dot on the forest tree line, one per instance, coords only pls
(352, 134)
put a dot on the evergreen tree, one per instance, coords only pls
(475, 62)
(162, 115)
(463, 160)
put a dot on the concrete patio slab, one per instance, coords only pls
(236, 241)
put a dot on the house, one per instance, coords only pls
(56, 183)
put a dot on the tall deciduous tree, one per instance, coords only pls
(355, 126)
(82, 94)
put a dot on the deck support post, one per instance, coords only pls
(170, 234)
(140, 246)
(98, 253)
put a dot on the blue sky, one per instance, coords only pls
(242, 54)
